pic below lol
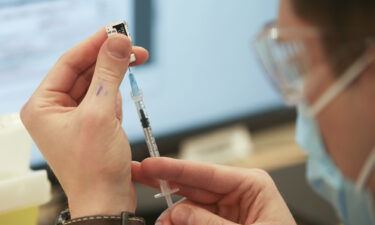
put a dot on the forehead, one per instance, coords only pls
(287, 16)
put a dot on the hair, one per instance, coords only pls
(345, 26)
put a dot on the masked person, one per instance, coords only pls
(319, 54)
(326, 70)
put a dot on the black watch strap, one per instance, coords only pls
(125, 218)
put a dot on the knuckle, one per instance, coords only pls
(63, 57)
(196, 216)
(213, 221)
(27, 114)
(263, 176)
(107, 74)
(261, 172)
(60, 59)
(24, 113)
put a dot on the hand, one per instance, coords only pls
(215, 194)
(75, 119)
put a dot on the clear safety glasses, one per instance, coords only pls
(284, 55)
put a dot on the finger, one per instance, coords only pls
(83, 81)
(111, 65)
(212, 178)
(140, 177)
(119, 107)
(141, 55)
(187, 214)
(63, 75)
(165, 217)
(192, 193)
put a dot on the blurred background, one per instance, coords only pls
(203, 84)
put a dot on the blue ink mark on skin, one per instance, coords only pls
(99, 90)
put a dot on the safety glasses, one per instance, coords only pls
(285, 57)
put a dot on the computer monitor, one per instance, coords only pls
(204, 71)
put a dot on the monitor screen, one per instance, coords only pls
(204, 70)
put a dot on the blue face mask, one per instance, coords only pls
(353, 206)
(353, 202)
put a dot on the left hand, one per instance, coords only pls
(75, 119)
(215, 195)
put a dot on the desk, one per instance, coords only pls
(274, 149)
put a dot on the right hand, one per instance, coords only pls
(215, 194)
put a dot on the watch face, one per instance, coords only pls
(64, 216)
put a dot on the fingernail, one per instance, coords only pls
(158, 223)
(181, 215)
(118, 47)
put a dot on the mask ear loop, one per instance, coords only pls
(342, 83)
(366, 171)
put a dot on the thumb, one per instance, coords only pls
(111, 65)
(193, 215)
(119, 113)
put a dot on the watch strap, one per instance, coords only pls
(126, 218)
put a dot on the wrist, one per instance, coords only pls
(109, 201)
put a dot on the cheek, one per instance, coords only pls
(315, 85)
(319, 76)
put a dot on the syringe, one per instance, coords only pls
(137, 97)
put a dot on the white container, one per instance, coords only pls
(221, 146)
(21, 190)
(15, 147)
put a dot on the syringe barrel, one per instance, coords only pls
(149, 137)
(140, 105)
(151, 143)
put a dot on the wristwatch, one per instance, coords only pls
(126, 218)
